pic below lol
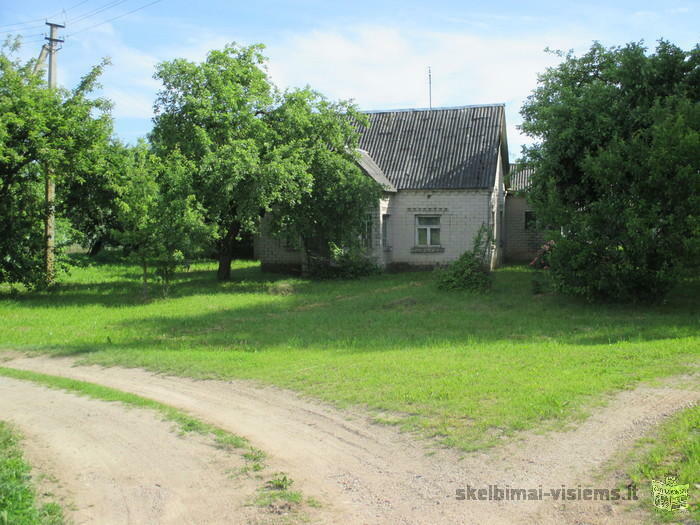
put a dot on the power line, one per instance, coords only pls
(97, 11)
(29, 25)
(28, 28)
(114, 18)
(43, 19)
(27, 22)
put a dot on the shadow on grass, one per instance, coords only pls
(127, 288)
(396, 312)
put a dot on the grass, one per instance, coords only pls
(673, 451)
(18, 500)
(467, 369)
(184, 421)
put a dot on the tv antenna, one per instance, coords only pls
(430, 88)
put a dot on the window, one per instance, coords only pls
(530, 220)
(385, 230)
(427, 231)
(366, 237)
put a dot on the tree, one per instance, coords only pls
(335, 211)
(163, 224)
(40, 129)
(617, 166)
(257, 150)
(87, 196)
(214, 113)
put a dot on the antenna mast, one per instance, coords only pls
(430, 88)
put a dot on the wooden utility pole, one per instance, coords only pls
(49, 225)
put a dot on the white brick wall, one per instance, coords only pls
(274, 251)
(461, 212)
(521, 245)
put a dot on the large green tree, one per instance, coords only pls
(617, 167)
(257, 149)
(213, 112)
(40, 130)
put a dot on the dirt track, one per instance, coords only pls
(115, 465)
(365, 473)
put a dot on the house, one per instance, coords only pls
(521, 240)
(443, 172)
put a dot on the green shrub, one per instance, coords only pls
(470, 271)
(343, 263)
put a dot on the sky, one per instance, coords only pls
(374, 52)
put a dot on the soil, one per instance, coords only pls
(361, 472)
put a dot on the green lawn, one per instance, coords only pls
(18, 502)
(466, 368)
(674, 450)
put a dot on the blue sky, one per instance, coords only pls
(376, 53)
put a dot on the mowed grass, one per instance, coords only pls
(468, 369)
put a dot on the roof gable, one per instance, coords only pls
(370, 167)
(443, 148)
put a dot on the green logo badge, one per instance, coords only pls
(668, 495)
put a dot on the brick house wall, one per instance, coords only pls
(521, 243)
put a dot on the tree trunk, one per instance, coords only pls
(96, 247)
(226, 255)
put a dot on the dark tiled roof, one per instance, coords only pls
(519, 178)
(370, 167)
(443, 148)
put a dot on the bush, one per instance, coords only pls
(541, 260)
(616, 161)
(470, 271)
(343, 263)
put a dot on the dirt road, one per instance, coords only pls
(114, 465)
(367, 473)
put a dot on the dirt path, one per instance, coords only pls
(372, 474)
(115, 465)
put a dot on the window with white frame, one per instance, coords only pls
(427, 230)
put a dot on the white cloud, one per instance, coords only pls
(130, 103)
(379, 66)
(383, 67)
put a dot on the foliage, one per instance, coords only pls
(334, 212)
(18, 502)
(163, 223)
(40, 130)
(471, 270)
(88, 196)
(216, 114)
(257, 150)
(617, 164)
(280, 482)
(343, 263)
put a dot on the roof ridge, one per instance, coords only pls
(441, 108)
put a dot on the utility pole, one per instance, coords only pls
(49, 225)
